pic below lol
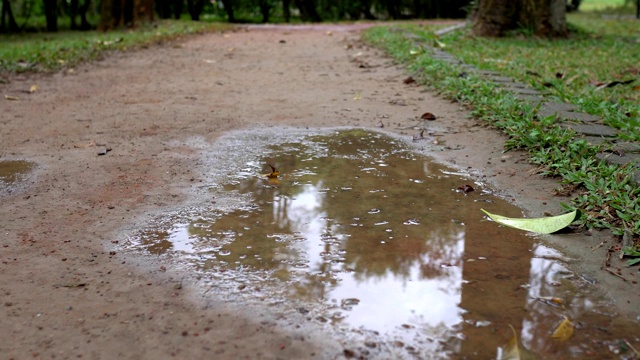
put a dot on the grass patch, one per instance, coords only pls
(53, 51)
(574, 70)
(604, 193)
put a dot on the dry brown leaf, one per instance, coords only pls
(428, 116)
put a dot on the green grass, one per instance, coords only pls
(53, 51)
(604, 193)
(572, 69)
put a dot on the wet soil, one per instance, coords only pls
(125, 142)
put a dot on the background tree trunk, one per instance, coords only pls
(228, 7)
(195, 9)
(286, 11)
(12, 26)
(539, 17)
(51, 14)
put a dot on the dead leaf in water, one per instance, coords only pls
(545, 225)
(274, 172)
(564, 331)
(515, 350)
(466, 188)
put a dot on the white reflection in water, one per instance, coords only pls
(387, 300)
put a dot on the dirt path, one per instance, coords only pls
(67, 292)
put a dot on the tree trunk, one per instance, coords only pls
(195, 8)
(539, 17)
(308, 10)
(51, 15)
(265, 8)
(10, 20)
(75, 10)
(366, 10)
(286, 11)
(228, 7)
(116, 13)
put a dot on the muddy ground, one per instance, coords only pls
(66, 288)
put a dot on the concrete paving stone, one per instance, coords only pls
(578, 116)
(626, 147)
(612, 158)
(596, 140)
(591, 129)
(522, 91)
(502, 79)
(489, 73)
(556, 106)
(533, 99)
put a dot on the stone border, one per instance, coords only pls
(589, 127)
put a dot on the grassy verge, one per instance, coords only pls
(53, 51)
(604, 193)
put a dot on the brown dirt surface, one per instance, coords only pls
(68, 292)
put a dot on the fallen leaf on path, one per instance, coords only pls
(9, 97)
(546, 225)
(86, 145)
(564, 331)
(409, 80)
(428, 116)
(34, 88)
(357, 97)
(71, 285)
(601, 85)
(515, 350)
(439, 44)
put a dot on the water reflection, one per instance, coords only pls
(378, 237)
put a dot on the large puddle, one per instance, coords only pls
(362, 232)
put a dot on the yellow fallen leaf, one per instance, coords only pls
(515, 350)
(564, 331)
(274, 173)
(9, 97)
(357, 97)
(34, 88)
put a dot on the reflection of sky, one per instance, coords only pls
(388, 301)
(385, 301)
(181, 239)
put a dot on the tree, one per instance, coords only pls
(51, 14)
(195, 8)
(228, 8)
(76, 10)
(115, 13)
(8, 14)
(540, 17)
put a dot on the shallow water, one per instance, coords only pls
(361, 231)
(12, 173)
